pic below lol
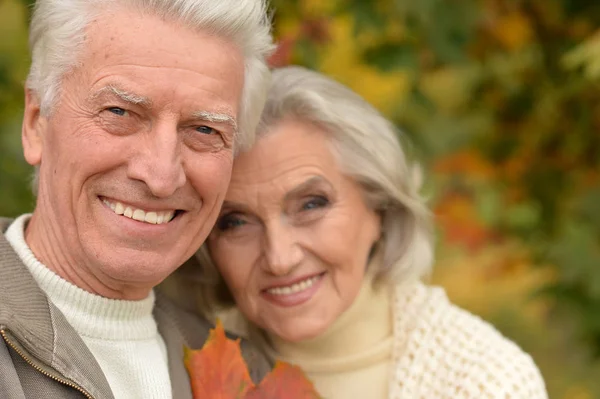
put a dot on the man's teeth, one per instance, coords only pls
(139, 214)
(294, 288)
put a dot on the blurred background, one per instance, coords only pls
(500, 102)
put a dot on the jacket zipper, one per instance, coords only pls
(28, 361)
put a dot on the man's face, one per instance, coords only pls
(136, 157)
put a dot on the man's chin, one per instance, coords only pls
(134, 268)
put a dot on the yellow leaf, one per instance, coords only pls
(513, 30)
(342, 59)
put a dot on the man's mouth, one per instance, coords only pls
(141, 215)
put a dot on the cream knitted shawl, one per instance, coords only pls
(443, 352)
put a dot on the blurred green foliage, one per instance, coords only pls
(501, 101)
(15, 195)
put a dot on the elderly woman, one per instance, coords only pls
(322, 243)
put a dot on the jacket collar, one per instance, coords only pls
(40, 328)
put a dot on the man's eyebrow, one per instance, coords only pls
(306, 186)
(217, 118)
(124, 95)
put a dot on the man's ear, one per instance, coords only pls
(32, 133)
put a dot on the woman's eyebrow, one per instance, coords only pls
(232, 205)
(311, 183)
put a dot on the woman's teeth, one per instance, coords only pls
(140, 215)
(294, 288)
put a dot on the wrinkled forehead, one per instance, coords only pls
(288, 159)
(283, 182)
(147, 45)
(289, 144)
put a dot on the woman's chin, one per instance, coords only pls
(295, 333)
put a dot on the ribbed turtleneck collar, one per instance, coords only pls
(91, 315)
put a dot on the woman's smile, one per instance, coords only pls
(296, 293)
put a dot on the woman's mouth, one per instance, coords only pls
(295, 293)
(294, 288)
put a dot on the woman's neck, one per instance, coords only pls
(362, 328)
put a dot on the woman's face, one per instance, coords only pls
(294, 234)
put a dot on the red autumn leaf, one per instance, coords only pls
(457, 218)
(282, 55)
(317, 30)
(285, 381)
(218, 371)
(468, 163)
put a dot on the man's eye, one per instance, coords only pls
(117, 111)
(205, 130)
(315, 203)
(229, 222)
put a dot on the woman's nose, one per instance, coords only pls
(282, 251)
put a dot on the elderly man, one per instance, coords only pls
(133, 112)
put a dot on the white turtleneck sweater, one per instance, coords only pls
(122, 335)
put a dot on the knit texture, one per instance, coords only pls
(122, 335)
(443, 352)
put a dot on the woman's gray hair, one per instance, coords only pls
(57, 34)
(368, 150)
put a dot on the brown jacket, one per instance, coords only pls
(41, 355)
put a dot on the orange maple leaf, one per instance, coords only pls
(218, 371)
(285, 381)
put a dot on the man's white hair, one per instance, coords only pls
(57, 34)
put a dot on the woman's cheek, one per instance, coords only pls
(238, 274)
(223, 262)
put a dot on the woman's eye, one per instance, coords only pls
(205, 130)
(229, 222)
(315, 203)
(117, 111)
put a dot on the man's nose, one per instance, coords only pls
(158, 161)
(282, 250)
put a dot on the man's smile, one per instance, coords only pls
(141, 215)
